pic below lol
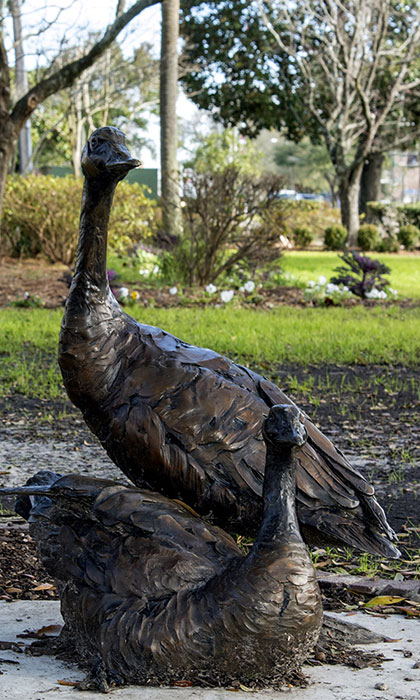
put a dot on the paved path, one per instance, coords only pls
(36, 678)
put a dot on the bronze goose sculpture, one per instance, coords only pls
(185, 420)
(152, 593)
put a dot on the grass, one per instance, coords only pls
(356, 335)
(309, 265)
(305, 265)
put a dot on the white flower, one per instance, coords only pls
(344, 288)
(173, 291)
(311, 283)
(322, 279)
(392, 291)
(227, 295)
(155, 269)
(241, 289)
(144, 271)
(249, 286)
(376, 294)
(331, 288)
(285, 241)
(211, 289)
(123, 292)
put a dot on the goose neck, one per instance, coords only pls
(96, 206)
(279, 493)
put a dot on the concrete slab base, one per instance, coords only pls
(36, 678)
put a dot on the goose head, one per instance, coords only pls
(283, 427)
(106, 154)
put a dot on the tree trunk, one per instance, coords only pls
(171, 211)
(370, 182)
(349, 189)
(8, 132)
(21, 86)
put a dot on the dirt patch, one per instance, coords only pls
(49, 284)
(371, 414)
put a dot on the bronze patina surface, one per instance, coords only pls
(152, 593)
(184, 420)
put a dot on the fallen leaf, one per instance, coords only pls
(391, 639)
(73, 684)
(49, 629)
(246, 689)
(44, 587)
(321, 564)
(383, 600)
(182, 684)
(12, 589)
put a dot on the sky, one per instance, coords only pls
(70, 20)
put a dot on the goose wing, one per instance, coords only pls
(124, 542)
(187, 421)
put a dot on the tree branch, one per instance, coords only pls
(66, 75)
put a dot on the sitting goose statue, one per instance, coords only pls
(152, 593)
(184, 420)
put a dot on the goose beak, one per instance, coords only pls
(120, 160)
(106, 152)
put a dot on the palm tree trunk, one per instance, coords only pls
(171, 212)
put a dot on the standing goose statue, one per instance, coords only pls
(152, 593)
(184, 420)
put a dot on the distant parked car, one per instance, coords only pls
(292, 194)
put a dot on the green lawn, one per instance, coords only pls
(309, 265)
(28, 339)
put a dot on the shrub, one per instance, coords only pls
(368, 237)
(409, 236)
(302, 236)
(366, 279)
(228, 216)
(391, 217)
(41, 215)
(388, 245)
(335, 237)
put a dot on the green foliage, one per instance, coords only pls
(226, 149)
(391, 216)
(41, 215)
(335, 237)
(28, 301)
(409, 236)
(302, 236)
(368, 237)
(112, 91)
(303, 163)
(388, 245)
(316, 216)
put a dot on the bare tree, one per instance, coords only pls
(171, 212)
(14, 116)
(354, 66)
